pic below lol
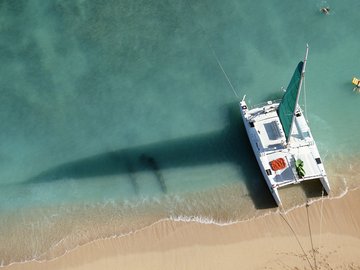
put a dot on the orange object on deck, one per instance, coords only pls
(278, 164)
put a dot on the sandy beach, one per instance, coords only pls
(324, 235)
(123, 147)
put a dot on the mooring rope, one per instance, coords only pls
(321, 213)
(311, 239)
(297, 239)
(222, 69)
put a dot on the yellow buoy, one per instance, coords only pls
(356, 81)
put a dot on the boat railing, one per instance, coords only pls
(298, 180)
(266, 103)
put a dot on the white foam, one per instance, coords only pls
(176, 218)
(180, 218)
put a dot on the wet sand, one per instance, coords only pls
(324, 235)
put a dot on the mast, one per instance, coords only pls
(298, 93)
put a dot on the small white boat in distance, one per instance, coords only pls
(281, 139)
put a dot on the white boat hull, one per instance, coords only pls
(269, 144)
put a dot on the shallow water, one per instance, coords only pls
(116, 115)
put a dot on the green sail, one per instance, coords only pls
(287, 105)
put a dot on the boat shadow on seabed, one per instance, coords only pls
(229, 145)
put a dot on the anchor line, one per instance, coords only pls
(214, 53)
(226, 76)
(297, 239)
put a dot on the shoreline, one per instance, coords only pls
(77, 225)
(165, 242)
(44, 257)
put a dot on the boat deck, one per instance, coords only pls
(270, 131)
(270, 140)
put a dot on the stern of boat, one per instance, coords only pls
(276, 196)
(325, 183)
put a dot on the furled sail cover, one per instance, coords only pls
(288, 102)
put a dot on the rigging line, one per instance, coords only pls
(305, 106)
(222, 69)
(297, 239)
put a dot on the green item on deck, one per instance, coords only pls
(299, 164)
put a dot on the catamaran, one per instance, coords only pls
(281, 139)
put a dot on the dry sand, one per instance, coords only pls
(277, 241)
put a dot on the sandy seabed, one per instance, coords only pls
(322, 235)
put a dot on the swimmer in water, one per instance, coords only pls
(325, 10)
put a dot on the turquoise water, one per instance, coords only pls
(117, 113)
